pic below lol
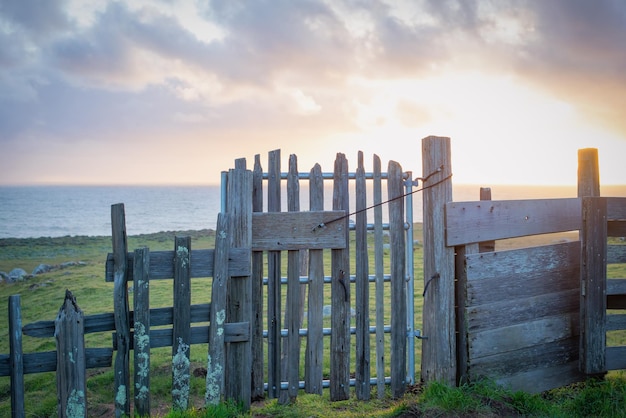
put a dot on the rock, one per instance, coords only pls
(41, 269)
(3, 276)
(17, 274)
(68, 264)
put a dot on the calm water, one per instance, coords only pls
(53, 211)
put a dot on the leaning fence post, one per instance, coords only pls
(69, 331)
(439, 343)
(16, 357)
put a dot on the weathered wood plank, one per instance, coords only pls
(593, 236)
(462, 325)
(291, 361)
(380, 280)
(121, 310)
(616, 287)
(468, 222)
(274, 283)
(71, 362)
(616, 254)
(314, 357)
(526, 334)
(615, 358)
(216, 365)
(511, 311)
(258, 381)
(616, 208)
(362, 371)
(16, 357)
(181, 374)
(340, 292)
(439, 349)
(239, 306)
(162, 264)
(509, 363)
(297, 230)
(615, 322)
(46, 361)
(397, 261)
(234, 332)
(522, 272)
(141, 336)
(588, 172)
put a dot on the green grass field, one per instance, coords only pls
(42, 295)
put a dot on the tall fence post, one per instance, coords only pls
(593, 238)
(69, 331)
(120, 306)
(16, 357)
(239, 309)
(439, 343)
(257, 290)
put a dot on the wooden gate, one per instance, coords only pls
(297, 298)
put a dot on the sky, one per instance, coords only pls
(173, 91)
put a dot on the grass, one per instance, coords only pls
(42, 295)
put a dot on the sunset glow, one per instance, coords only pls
(149, 92)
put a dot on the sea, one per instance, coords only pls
(57, 211)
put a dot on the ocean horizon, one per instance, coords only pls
(57, 211)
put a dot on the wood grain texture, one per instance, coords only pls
(257, 342)
(468, 222)
(16, 358)
(141, 324)
(379, 274)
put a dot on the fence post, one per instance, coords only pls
(380, 278)
(593, 238)
(215, 361)
(121, 314)
(239, 355)
(439, 343)
(181, 336)
(395, 193)
(16, 357)
(141, 352)
(69, 331)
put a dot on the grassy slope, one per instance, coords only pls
(42, 296)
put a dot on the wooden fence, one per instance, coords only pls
(246, 298)
(529, 318)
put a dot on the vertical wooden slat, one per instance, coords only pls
(486, 246)
(141, 305)
(461, 302)
(273, 286)
(593, 286)
(315, 338)
(293, 303)
(257, 289)
(362, 373)
(181, 327)
(398, 279)
(439, 345)
(215, 360)
(340, 292)
(69, 332)
(16, 357)
(239, 305)
(380, 279)
(121, 311)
